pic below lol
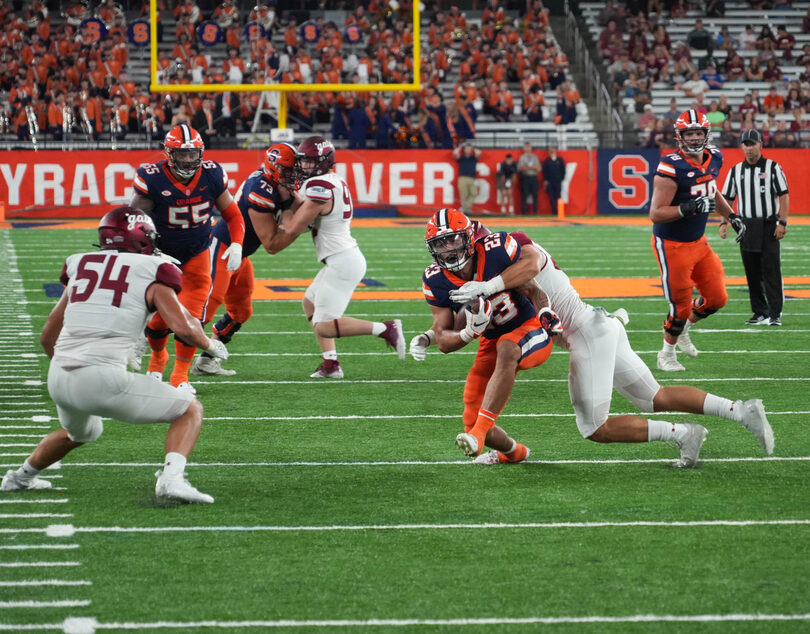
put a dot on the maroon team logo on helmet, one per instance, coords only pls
(449, 238)
(279, 165)
(316, 156)
(127, 229)
(184, 149)
(689, 121)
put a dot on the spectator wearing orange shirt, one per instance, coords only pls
(234, 66)
(56, 116)
(501, 103)
(773, 101)
(119, 118)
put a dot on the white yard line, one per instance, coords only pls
(40, 547)
(43, 582)
(37, 564)
(67, 603)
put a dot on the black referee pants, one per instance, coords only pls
(763, 270)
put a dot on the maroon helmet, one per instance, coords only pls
(316, 156)
(127, 229)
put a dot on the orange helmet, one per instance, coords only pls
(449, 238)
(279, 165)
(184, 148)
(692, 120)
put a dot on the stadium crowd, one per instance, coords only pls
(708, 67)
(63, 77)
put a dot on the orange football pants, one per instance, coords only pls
(234, 288)
(535, 347)
(688, 265)
(196, 284)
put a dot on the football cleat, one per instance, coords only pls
(468, 443)
(774, 321)
(186, 387)
(668, 362)
(329, 369)
(497, 457)
(690, 446)
(394, 337)
(12, 481)
(158, 376)
(208, 366)
(758, 320)
(755, 421)
(179, 490)
(686, 346)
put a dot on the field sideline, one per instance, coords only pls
(344, 505)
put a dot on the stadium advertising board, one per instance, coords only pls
(50, 184)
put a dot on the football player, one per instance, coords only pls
(512, 335)
(108, 298)
(602, 360)
(180, 194)
(326, 209)
(260, 198)
(684, 194)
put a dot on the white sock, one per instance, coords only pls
(174, 465)
(722, 407)
(689, 323)
(661, 430)
(330, 355)
(669, 348)
(377, 328)
(27, 471)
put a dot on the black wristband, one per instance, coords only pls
(782, 222)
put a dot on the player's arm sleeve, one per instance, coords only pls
(232, 217)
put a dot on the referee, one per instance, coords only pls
(761, 190)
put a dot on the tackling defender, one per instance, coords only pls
(260, 198)
(602, 360)
(684, 194)
(513, 336)
(327, 210)
(108, 298)
(179, 193)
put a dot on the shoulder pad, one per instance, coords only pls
(672, 157)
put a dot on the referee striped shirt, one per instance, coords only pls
(756, 187)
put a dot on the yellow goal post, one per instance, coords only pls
(282, 89)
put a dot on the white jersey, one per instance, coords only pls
(331, 232)
(564, 299)
(106, 311)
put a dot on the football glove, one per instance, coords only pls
(478, 315)
(217, 349)
(702, 205)
(550, 322)
(418, 347)
(234, 256)
(738, 225)
(471, 290)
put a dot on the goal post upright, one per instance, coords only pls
(283, 89)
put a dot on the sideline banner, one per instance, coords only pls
(626, 177)
(412, 182)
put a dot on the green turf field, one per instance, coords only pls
(345, 505)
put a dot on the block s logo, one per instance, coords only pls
(629, 187)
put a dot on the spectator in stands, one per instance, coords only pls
(715, 117)
(725, 41)
(506, 178)
(748, 39)
(785, 42)
(671, 115)
(467, 157)
(715, 8)
(782, 137)
(534, 102)
(643, 96)
(754, 71)
(772, 72)
(608, 13)
(735, 68)
(203, 121)
(724, 107)
(463, 118)
(648, 118)
(712, 77)
(728, 137)
(773, 101)
(528, 168)
(700, 38)
(806, 22)
(764, 36)
(657, 136)
(694, 87)
(804, 58)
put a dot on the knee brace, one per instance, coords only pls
(226, 328)
(160, 333)
(674, 326)
(698, 306)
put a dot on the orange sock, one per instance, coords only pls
(158, 360)
(183, 356)
(518, 454)
(484, 422)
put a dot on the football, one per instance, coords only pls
(461, 316)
